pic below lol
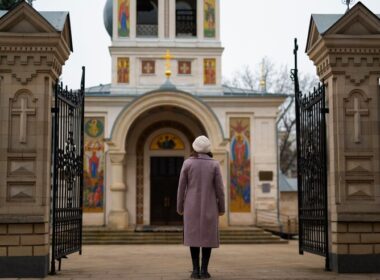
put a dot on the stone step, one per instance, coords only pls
(237, 235)
(137, 242)
(177, 238)
(265, 234)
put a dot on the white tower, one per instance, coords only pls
(143, 30)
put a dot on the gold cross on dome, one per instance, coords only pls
(168, 57)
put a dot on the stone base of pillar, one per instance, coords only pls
(355, 263)
(16, 267)
(118, 220)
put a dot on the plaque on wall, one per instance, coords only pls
(265, 188)
(265, 175)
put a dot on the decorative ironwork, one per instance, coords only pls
(311, 168)
(147, 30)
(67, 168)
(186, 23)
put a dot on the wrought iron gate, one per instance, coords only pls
(311, 168)
(67, 169)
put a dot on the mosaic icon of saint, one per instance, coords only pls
(210, 78)
(124, 18)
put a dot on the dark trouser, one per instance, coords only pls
(206, 253)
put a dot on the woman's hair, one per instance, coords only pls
(196, 154)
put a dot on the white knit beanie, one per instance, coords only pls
(202, 145)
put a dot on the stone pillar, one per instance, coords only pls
(118, 217)
(32, 53)
(200, 19)
(172, 19)
(161, 19)
(347, 57)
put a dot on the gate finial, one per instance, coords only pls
(347, 3)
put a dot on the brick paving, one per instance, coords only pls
(173, 262)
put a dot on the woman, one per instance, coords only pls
(201, 200)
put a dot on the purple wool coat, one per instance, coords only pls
(200, 199)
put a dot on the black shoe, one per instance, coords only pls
(195, 274)
(205, 274)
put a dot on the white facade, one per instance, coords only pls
(137, 111)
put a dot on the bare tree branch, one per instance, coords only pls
(277, 81)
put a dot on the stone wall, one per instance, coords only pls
(32, 53)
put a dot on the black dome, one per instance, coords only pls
(108, 16)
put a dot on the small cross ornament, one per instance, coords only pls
(348, 3)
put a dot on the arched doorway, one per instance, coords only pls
(158, 141)
(129, 195)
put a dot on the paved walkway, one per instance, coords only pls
(173, 262)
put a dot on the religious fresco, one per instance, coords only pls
(123, 18)
(240, 165)
(184, 67)
(94, 165)
(209, 71)
(123, 70)
(209, 18)
(167, 141)
(148, 67)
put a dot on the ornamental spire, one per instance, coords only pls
(348, 3)
(168, 58)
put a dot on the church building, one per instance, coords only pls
(166, 90)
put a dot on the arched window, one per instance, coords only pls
(186, 18)
(147, 18)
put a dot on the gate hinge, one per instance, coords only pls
(325, 111)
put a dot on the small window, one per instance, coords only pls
(184, 67)
(147, 18)
(186, 18)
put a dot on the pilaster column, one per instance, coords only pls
(161, 19)
(118, 217)
(172, 20)
(133, 19)
(200, 17)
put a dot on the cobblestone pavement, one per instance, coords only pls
(173, 262)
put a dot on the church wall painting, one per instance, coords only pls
(123, 70)
(240, 165)
(123, 18)
(167, 141)
(94, 165)
(209, 71)
(209, 18)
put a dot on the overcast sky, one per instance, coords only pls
(251, 29)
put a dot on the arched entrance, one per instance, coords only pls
(144, 150)
(159, 140)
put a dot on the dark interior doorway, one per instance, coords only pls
(164, 176)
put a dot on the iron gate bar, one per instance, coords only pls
(311, 168)
(67, 177)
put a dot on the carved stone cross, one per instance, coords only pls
(357, 113)
(185, 68)
(148, 68)
(23, 112)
